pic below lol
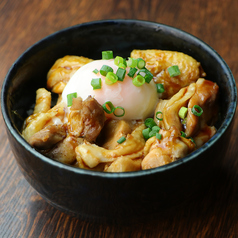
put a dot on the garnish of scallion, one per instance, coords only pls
(70, 99)
(119, 108)
(183, 111)
(197, 110)
(121, 140)
(138, 81)
(105, 69)
(174, 71)
(118, 60)
(160, 87)
(131, 62)
(121, 74)
(132, 72)
(96, 83)
(159, 115)
(146, 74)
(106, 55)
(108, 107)
(111, 78)
(140, 63)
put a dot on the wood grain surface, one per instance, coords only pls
(23, 213)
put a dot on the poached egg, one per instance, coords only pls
(138, 102)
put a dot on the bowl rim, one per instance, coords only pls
(195, 154)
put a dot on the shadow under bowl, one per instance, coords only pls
(113, 196)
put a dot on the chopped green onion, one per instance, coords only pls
(118, 60)
(184, 121)
(146, 133)
(159, 118)
(192, 140)
(70, 99)
(160, 87)
(174, 71)
(108, 54)
(138, 81)
(149, 122)
(121, 65)
(111, 78)
(121, 74)
(95, 71)
(146, 74)
(158, 136)
(132, 72)
(197, 110)
(183, 134)
(183, 111)
(121, 140)
(105, 69)
(131, 62)
(96, 83)
(156, 128)
(124, 62)
(152, 133)
(140, 63)
(110, 105)
(120, 108)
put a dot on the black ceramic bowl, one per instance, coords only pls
(108, 196)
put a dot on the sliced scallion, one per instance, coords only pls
(118, 60)
(121, 74)
(146, 74)
(132, 72)
(174, 71)
(105, 69)
(95, 71)
(111, 78)
(197, 110)
(109, 105)
(70, 99)
(149, 122)
(146, 133)
(160, 117)
(106, 55)
(121, 65)
(131, 62)
(96, 83)
(158, 136)
(183, 111)
(183, 134)
(140, 63)
(160, 87)
(121, 140)
(118, 108)
(138, 81)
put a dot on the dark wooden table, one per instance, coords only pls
(23, 213)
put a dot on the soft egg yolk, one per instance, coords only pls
(138, 102)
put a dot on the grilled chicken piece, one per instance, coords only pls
(86, 118)
(43, 101)
(48, 137)
(124, 164)
(113, 131)
(204, 135)
(170, 108)
(38, 121)
(158, 61)
(206, 96)
(62, 70)
(132, 148)
(170, 148)
(64, 151)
